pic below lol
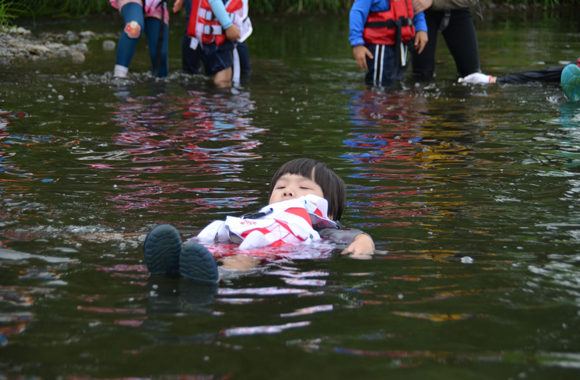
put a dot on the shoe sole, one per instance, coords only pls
(570, 81)
(197, 264)
(162, 249)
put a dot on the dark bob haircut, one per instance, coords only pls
(332, 186)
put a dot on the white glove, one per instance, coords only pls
(476, 78)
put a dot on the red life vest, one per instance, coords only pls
(381, 27)
(203, 25)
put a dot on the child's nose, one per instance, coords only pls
(288, 193)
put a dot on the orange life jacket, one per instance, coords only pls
(392, 26)
(203, 25)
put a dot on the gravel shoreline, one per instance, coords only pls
(18, 43)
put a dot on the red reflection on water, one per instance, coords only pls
(21, 296)
(387, 137)
(135, 276)
(130, 322)
(9, 331)
(150, 128)
(122, 268)
(8, 139)
(294, 252)
(188, 139)
(17, 296)
(110, 310)
(390, 354)
(395, 120)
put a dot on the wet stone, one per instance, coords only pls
(82, 47)
(109, 45)
(18, 43)
(21, 30)
(78, 57)
(88, 35)
(70, 36)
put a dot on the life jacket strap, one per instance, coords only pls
(400, 49)
(212, 29)
(390, 24)
(257, 214)
(205, 14)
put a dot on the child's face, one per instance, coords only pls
(291, 186)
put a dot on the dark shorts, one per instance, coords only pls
(217, 58)
(213, 58)
(384, 67)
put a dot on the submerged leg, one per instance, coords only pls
(190, 59)
(424, 63)
(223, 78)
(133, 16)
(461, 40)
(244, 53)
(162, 249)
(152, 31)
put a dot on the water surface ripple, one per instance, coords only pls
(470, 192)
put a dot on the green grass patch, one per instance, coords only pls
(76, 8)
(66, 8)
(9, 11)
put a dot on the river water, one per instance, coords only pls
(470, 193)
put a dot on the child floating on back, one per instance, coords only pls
(380, 33)
(306, 202)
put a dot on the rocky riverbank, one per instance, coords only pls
(19, 43)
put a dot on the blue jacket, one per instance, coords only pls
(360, 12)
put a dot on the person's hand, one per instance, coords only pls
(421, 39)
(360, 53)
(477, 78)
(421, 5)
(361, 248)
(177, 6)
(233, 33)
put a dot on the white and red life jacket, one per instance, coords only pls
(205, 28)
(288, 222)
(381, 27)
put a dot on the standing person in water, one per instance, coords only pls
(380, 33)
(306, 201)
(453, 18)
(215, 28)
(151, 17)
(568, 76)
(192, 54)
